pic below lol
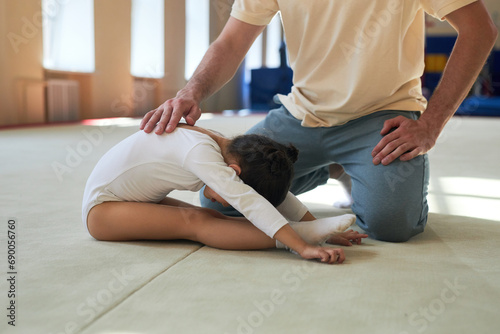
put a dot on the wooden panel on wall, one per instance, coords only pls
(20, 57)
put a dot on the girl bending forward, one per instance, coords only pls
(126, 194)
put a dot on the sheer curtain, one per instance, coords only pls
(68, 35)
(197, 33)
(148, 39)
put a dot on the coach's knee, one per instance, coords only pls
(393, 207)
(391, 227)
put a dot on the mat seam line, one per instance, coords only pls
(136, 290)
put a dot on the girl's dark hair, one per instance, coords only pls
(266, 165)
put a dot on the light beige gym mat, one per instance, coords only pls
(446, 280)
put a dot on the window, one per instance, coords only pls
(253, 59)
(68, 35)
(256, 58)
(148, 39)
(197, 33)
(273, 42)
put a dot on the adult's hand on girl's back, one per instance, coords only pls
(167, 116)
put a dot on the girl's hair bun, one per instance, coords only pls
(266, 165)
(277, 162)
(292, 152)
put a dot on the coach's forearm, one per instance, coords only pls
(217, 67)
(469, 55)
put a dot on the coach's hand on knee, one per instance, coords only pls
(167, 116)
(405, 139)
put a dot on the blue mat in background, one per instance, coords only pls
(267, 82)
(480, 106)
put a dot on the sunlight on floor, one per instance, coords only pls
(465, 196)
(458, 196)
(127, 121)
(326, 194)
(118, 121)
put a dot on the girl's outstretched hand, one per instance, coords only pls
(347, 238)
(324, 254)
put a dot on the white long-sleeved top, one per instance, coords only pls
(147, 167)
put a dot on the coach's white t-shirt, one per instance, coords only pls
(350, 57)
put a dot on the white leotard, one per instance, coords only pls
(147, 167)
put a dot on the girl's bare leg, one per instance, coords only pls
(173, 219)
(179, 203)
